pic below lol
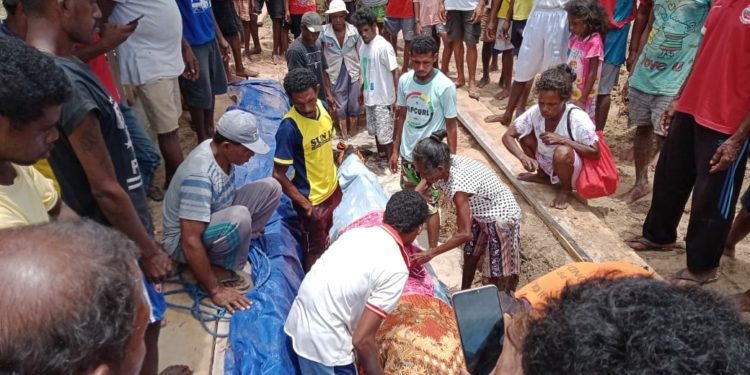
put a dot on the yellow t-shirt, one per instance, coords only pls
(27, 200)
(503, 9)
(305, 144)
(521, 9)
(539, 291)
(46, 170)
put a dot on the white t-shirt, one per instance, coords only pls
(378, 61)
(463, 5)
(154, 50)
(366, 268)
(581, 126)
(489, 199)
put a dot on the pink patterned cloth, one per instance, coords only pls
(419, 282)
(581, 50)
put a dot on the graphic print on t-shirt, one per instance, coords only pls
(745, 16)
(313, 60)
(201, 6)
(136, 181)
(419, 109)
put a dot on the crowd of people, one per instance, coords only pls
(77, 169)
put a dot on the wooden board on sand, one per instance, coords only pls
(577, 228)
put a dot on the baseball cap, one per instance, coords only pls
(240, 126)
(337, 6)
(312, 21)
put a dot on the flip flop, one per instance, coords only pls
(640, 243)
(233, 276)
(700, 281)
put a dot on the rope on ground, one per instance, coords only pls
(206, 312)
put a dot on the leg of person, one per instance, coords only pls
(261, 199)
(455, 29)
(353, 109)
(506, 75)
(383, 120)
(197, 94)
(609, 77)
(310, 367)
(218, 86)
(392, 28)
(316, 228)
(645, 113)
(228, 21)
(473, 251)
(158, 306)
(409, 180)
(471, 38)
(486, 51)
(673, 183)
(740, 227)
(227, 239)
(341, 98)
(407, 28)
(279, 45)
(161, 103)
(502, 254)
(145, 150)
(252, 32)
(564, 166)
(713, 203)
(296, 25)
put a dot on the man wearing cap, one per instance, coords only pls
(307, 52)
(208, 223)
(341, 42)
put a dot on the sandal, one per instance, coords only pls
(245, 282)
(682, 278)
(640, 243)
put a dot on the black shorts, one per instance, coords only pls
(211, 80)
(296, 26)
(516, 35)
(459, 27)
(275, 8)
(227, 18)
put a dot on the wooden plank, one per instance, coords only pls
(583, 235)
(183, 341)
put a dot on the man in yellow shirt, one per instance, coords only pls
(303, 142)
(30, 105)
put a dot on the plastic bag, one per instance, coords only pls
(598, 177)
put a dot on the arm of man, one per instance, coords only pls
(112, 35)
(365, 343)
(279, 173)
(88, 144)
(449, 102)
(192, 69)
(492, 21)
(417, 21)
(729, 150)
(398, 127)
(451, 126)
(223, 45)
(106, 7)
(642, 20)
(191, 232)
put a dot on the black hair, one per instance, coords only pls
(72, 318)
(423, 44)
(35, 7)
(30, 80)
(405, 211)
(299, 80)
(637, 326)
(590, 12)
(432, 152)
(364, 17)
(219, 139)
(11, 6)
(559, 79)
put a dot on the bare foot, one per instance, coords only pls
(684, 277)
(498, 118)
(742, 300)
(254, 51)
(635, 193)
(561, 199)
(275, 59)
(494, 68)
(460, 82)
(538, 177)
(652, 165)
(502, 94)
(246, 73)
(483, 82)
(177, 370)
(729, 251)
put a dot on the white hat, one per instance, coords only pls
(336, 6)
(240, 126)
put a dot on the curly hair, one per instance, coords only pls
(423, 44)
(405, 211)
(559, 79)
(364, 17)
(637, 326)
(78, 308)
(299, 80)
(30, 82)
(591, 13)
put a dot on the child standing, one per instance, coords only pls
(587, 21)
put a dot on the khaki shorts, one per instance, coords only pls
(161, 103)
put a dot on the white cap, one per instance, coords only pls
(239, 126)
(336, 6)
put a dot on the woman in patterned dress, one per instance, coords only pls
(487, 214)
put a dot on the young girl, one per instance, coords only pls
(587, 21)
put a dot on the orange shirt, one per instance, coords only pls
(539, 291)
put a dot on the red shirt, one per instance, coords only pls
(299, 7)
(100, 67)
(717, 93)
(400, 9)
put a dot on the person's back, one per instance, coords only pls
(364, 269)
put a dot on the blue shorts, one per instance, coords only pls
(156, 300)
(310, 367)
